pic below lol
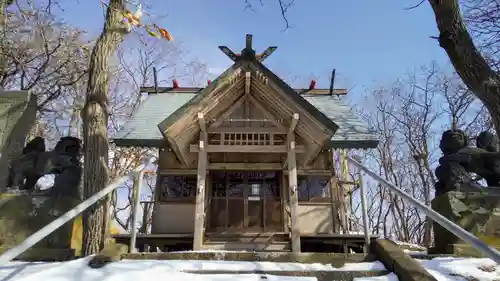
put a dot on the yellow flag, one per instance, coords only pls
(151, 33)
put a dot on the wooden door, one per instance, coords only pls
(227, 202)
(235, 201)
(254, 201)
(245, 202)
(217, 218)
(273, 212)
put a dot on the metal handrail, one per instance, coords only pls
(435, 216)
(60, 221)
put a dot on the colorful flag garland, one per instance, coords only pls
(134, 20)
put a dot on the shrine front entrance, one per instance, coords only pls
(245, 202)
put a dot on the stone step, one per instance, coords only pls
(320, 275)
(334, 259)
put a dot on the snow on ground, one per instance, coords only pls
(77, 270)
(415, 253)
(443, 269)
(451, 269)
(198, 265)
(389, 277)
(411, 246)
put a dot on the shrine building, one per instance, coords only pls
(247, 162)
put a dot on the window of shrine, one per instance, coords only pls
(177, 188)
(314, 188)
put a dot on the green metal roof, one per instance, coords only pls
(142, 128)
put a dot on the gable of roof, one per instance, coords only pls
(291, 93)
(174, 116)
(296, 97)
(142, 128)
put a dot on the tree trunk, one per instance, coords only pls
(466, 58)
(4, 4)
(95, 128)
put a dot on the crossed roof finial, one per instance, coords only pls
(248, 52)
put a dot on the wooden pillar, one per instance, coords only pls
(199, 221)
(284, 202)
(343, 189)
(292, 184)
(334, 193)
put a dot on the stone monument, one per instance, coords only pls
(28, 211)
(461, 198)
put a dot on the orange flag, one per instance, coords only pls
(165, 34)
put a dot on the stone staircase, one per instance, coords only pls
(385, 257)
(320, 275)
(307, 260)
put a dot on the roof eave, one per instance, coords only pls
(335, 144)
(354, 144)
(149, 143)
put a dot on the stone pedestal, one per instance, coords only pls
(23, 215)
(476, 212)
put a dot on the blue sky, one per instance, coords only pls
(369, 42)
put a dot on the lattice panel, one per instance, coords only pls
(214, 138)
(246, 139)
(250, 138)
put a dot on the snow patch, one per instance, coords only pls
(448, 269)
(389, 277)
(415, 253)
(443, 269)
(411, 246)
(219, 265)
(171, 270)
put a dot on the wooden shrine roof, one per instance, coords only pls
(142, 128)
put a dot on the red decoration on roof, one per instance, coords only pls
(209, 82)
(175, 84)
(312, 84)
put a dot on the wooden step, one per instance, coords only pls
(247, 242)
(238, 246)
(247, 237)
(255, 240)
